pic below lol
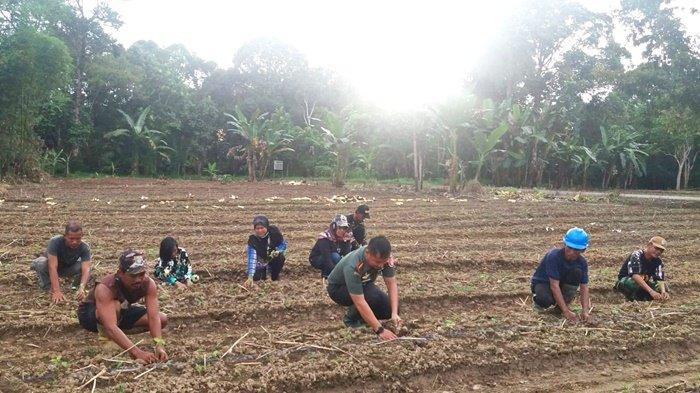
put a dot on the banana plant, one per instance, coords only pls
(142, 139)
(339, 136)
(252, 130)
(484, 144)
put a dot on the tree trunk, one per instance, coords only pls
(454, 182)
(420, 172)
(416, 170)
(135, 165)
(251, 165)
(478, 169)
(681, 155)
(689, 164)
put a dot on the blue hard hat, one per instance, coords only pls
(576, 238)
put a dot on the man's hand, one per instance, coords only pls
(180, 285)
(80, 294)
(57, 296)
(161, 354)
(570, 316)
(655, 295)
(143, 356)
(586, 318)
(398, 322)
(665, 296)
(387, 335)
(248, 283)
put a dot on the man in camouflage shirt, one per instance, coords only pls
(641, 276)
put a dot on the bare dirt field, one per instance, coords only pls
(463, 273)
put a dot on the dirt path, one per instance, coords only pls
(658, 197)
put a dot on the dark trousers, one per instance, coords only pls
(542, 292)
(275, 267)
(633, 291)
(378, 301)
(41, 267)
(324, 265)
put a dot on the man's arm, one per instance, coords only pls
(559, 298)
(152, 309)
(640, 281)
(84, 276)
(368, 316)
(56, 294)
(154, 326)
(585, 301)
(107, 316)
(393, 289)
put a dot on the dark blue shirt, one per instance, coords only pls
(554, 265)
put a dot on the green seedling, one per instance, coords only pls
(59, 362)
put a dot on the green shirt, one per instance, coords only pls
(354, 272)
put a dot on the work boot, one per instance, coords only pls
(352, 318)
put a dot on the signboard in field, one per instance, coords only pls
(278, 165)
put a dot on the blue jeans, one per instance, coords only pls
(326, 266)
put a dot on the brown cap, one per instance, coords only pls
(658, 242)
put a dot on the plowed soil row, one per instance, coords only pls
(464, 268)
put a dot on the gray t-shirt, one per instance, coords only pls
(354, 272)
(66, 255)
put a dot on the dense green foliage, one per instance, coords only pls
(555, 101)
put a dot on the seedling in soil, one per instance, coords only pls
(59, 362)
(202, 367)
(449, 324)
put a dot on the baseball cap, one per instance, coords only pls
(363, 209)
(658, 242)
(132, 262)
(341, 221)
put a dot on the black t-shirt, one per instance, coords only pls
(636, 263)
(358, 229)
(67, 256)
(324, 247)
(264, 245)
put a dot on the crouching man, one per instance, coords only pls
(641, 276)
(560, 274)
(111, 308)
(351, 284)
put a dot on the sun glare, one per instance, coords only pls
(397, 55)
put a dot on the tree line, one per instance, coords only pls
(555, 101)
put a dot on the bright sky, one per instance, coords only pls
(398, 55)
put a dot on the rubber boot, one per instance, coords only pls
(352, 318)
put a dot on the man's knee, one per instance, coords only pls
(336, 257)
(40, 264)
(378, 301)
(163, 320)
(569, 292)
(543, 295)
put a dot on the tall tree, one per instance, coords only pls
(34, 69)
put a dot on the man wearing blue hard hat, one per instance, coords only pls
(559, 276)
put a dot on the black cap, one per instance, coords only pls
(363, 209)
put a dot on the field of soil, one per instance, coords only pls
(463, 272)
